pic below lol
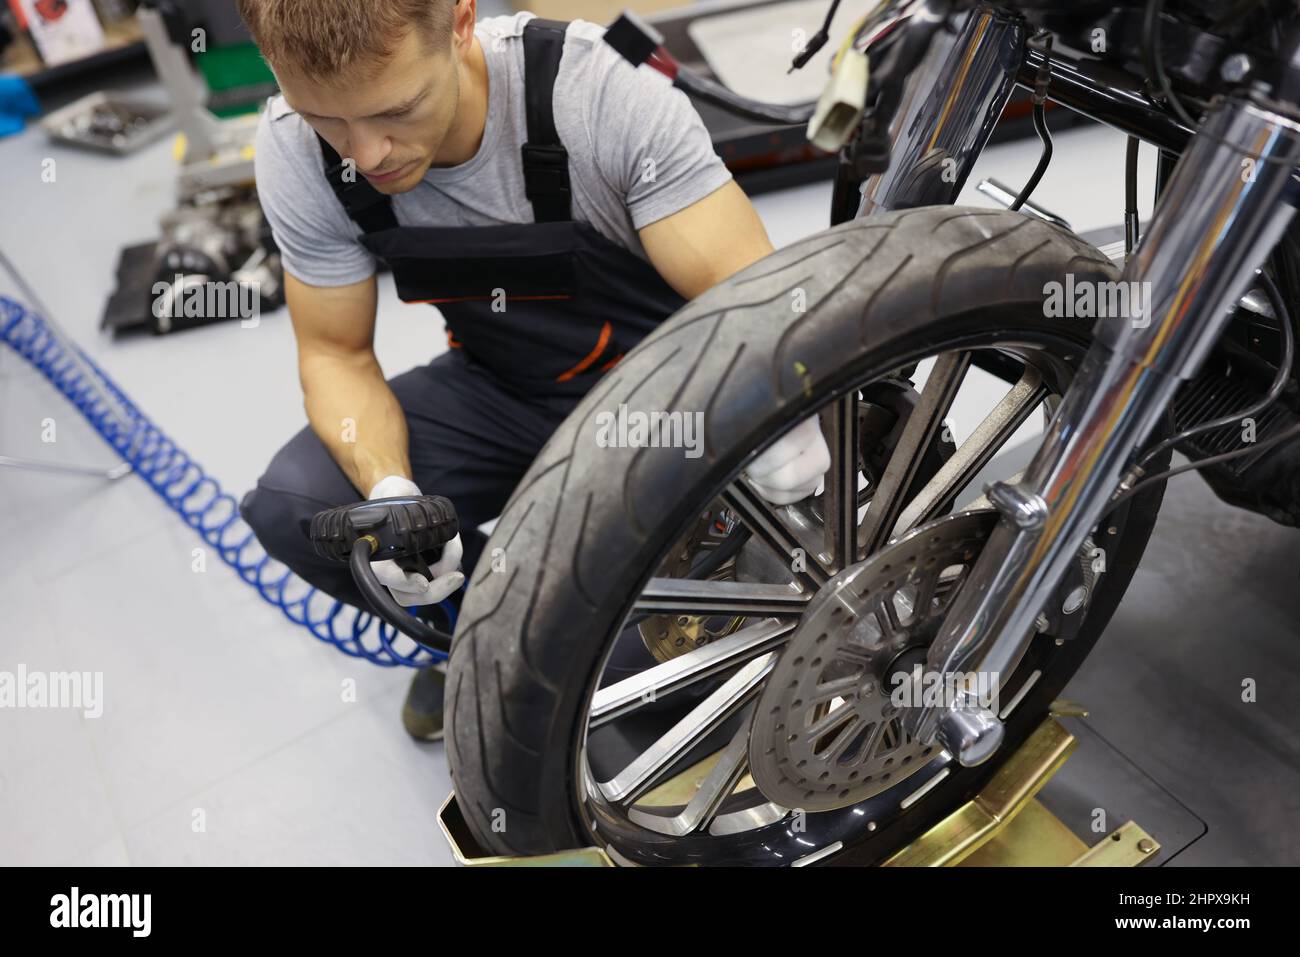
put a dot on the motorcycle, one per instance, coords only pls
(822, 682)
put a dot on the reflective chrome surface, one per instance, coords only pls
(663, 679)
(971, 733)
(999, 192)
(1216, 224)
(949, 108)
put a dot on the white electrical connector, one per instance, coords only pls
(841, 104)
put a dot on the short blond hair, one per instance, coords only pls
(328, 39)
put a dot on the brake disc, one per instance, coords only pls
(826, 733)
(670, 636)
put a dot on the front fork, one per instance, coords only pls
(949, 107)
(1227, 205)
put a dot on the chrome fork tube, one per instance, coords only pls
(1218, 221)
(950, 105)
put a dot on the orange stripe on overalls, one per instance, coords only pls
(601, 343)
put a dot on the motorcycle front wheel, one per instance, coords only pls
(616, 541)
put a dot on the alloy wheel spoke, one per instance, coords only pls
(624, 696)
(923, 427)
(648, 767)
(682, 596)
(976, 452)
(717, 785)
(766, 524)
(840, 503)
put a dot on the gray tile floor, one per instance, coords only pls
(219, 711)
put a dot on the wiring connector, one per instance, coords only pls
(634, 39)
(839, 110)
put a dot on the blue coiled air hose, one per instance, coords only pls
(199, 499)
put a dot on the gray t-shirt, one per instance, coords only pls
(638, 152)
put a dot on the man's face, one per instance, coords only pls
(394, 124)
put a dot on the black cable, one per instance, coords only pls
(1275, 390)
(1204, 463)
(639, 43)
(1279, 307)
(817, 42)
(881, 12)
(385, 605)
(1153, 59)
(1040, 127)
(1132, 225)
(1041, 81)
(710, 91)
(725, 551)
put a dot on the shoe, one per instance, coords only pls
(422, 711)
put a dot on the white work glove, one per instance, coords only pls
(407, 587)
(793, 467)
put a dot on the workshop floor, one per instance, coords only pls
(215, 703)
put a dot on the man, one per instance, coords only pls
(553, 201)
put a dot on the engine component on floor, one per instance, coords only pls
(216, 261)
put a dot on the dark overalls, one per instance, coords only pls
(535, 313)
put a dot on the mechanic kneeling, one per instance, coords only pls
(555, 203)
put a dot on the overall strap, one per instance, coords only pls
(368, 207)
(546, 162)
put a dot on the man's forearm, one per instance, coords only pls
(354, 412)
